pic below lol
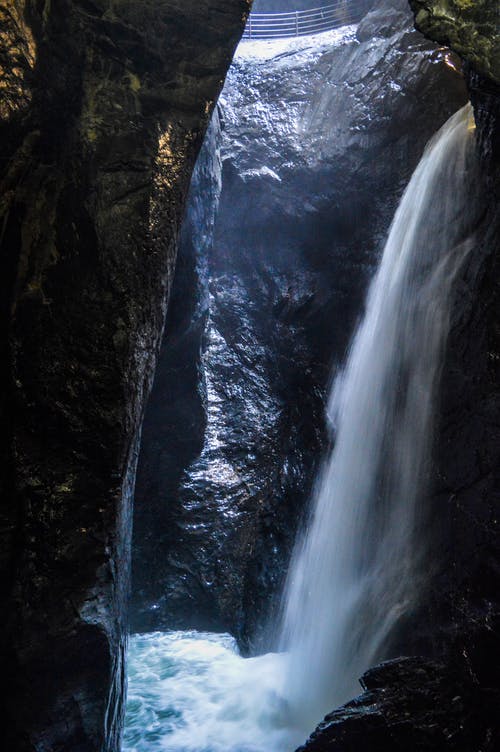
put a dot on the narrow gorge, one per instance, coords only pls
(250, 375)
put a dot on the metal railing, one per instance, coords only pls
(303, 22)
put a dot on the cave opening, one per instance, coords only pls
(303, 167)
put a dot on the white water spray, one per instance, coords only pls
(193, 692)
(360, 565)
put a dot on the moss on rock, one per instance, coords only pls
(470, 27)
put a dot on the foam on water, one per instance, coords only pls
(194, 692)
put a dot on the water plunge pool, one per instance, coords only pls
(193, 692)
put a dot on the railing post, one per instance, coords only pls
(250, 26)
(296, 23)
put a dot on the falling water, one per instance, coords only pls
(359, 567)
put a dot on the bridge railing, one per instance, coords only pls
(302, 22)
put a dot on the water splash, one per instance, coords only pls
(193, 692)
(360, 565)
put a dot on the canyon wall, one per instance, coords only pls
(104, 107)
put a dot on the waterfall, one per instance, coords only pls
(363, 560)
(361, 563)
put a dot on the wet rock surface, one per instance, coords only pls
(414, 704)
(319, 138)
(470, 27)
(468, 444)
(173, 431)
(463, 607)
(104, 111)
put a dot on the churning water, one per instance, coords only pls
(360, 565)
(193, 692)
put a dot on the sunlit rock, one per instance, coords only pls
(470, 27)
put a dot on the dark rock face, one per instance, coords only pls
(174, 426)
(464, 607)
(414, 704)
(318, 142)
(105, 108)
(470, 27)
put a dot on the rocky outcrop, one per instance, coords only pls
(319, 138)
(414, 704)
(470, 27)
(104, 107)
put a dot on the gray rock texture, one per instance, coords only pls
(319, 138)
(104, 107)
(470, 27)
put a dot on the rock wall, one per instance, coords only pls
(104, 107)
(319, 138)
(175, 421)
(470, 27)
(464, 608)
(464, 605)
(410, 703)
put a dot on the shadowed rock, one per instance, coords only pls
(105, 108)
(413, 704)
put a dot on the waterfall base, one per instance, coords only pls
(193, 692)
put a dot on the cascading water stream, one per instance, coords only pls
(360, 565)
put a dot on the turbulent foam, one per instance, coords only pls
(193, 692)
